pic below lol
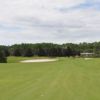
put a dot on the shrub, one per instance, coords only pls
(3, 58)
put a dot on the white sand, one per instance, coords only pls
(88, 58)
(38, 60)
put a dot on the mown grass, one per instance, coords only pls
(66, 79)
(13, 59)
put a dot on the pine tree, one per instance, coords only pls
(28, 53)
(17, 52)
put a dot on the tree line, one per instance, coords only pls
(49, 49)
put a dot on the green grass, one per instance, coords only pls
(18, 59)
(66, 79)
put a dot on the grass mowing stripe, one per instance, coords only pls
(66, 79)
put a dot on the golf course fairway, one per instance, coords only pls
(65, 79)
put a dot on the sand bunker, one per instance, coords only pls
(38, 60)
(88, 58)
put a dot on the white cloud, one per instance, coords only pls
(41, 21)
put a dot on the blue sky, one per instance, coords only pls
(57, 21)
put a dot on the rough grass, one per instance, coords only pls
(66, 79)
